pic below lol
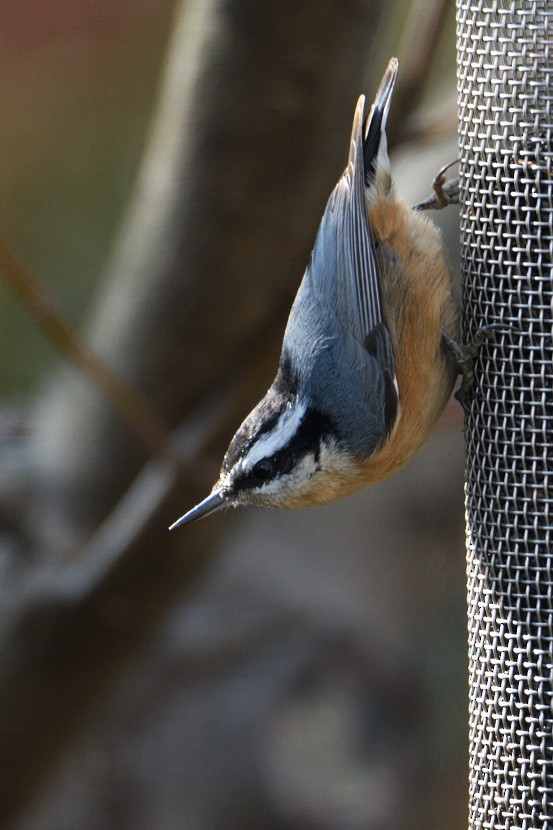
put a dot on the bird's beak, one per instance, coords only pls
(213, 502)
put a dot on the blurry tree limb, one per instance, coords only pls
(422, 33)
(134, 411)
(66, 634)
(436, 126)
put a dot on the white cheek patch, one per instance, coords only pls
(275, 440)
(307, 477)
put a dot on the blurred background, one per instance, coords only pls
(163, 169)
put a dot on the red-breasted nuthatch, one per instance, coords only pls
(365, 369)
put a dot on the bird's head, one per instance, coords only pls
(286, 454)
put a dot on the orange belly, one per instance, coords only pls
(419, 301)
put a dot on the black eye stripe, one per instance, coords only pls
(262, 471)
(307, 439)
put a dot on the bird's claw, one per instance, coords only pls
(445, 192)
(465, 357)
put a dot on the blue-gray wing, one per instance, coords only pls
(337, 334)
(345, 239)
(344, 266)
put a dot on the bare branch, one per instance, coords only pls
(133, 410)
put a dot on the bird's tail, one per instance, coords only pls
(375, 148)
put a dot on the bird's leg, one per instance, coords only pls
(445, 192)
(465, 357)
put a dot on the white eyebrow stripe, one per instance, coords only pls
(283, 431)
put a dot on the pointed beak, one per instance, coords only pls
(213, 502)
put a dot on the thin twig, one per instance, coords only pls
(134, 410)
(117, 534)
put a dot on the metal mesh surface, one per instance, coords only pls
(505, 87)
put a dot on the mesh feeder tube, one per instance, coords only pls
(505, 93)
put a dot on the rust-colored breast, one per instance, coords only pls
(419, 302)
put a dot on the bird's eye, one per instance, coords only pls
(262, 471)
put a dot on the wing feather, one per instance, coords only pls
(337, 334)
(359, 273)
(345, 237)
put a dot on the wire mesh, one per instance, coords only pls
(505, 90)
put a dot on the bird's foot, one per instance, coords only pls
(445, 192)
(465, 357)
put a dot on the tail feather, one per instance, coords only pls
(375, 150)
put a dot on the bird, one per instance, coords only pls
(369, 356)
